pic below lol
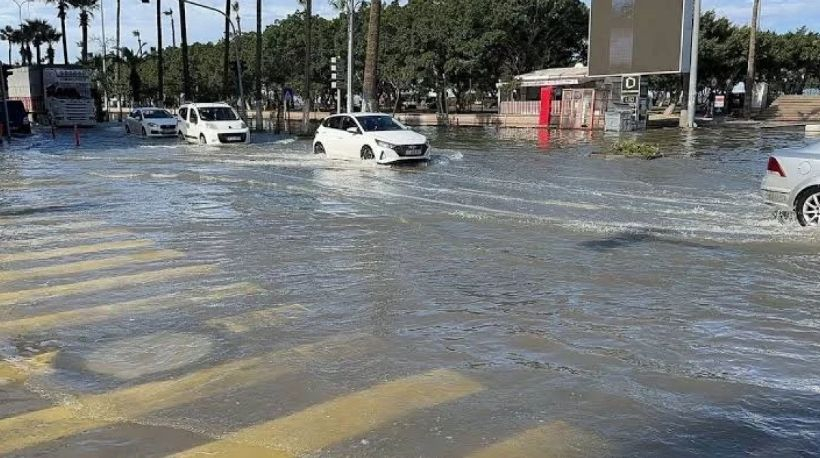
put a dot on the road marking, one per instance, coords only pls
(321, 425)
(88, 266)
(63, 238)
(19, 370)
(106, 312)
(28, 230)
(101, 284)
(89, 412)
(75, 250)
(556, 439)
(258, 318)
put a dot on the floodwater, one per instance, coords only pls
(516, 297)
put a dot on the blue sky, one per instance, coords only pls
(206, 26)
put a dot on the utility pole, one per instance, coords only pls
(186, 76)
(750, 70)
(693, 68)
(238, 33)
(350, 11)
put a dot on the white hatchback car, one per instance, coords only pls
(792, 183)
(151, 122)
(211, 124)
(370, 136)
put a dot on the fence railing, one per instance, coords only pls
(520, 108)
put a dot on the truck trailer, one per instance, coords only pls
(59, 95)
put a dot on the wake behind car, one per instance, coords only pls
(792, 183)
(151, 122)
(370, 136)
(211, 124)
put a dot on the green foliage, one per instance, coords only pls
(633, 148)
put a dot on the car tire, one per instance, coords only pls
(202, 140)
(808, 207)
(367, 153)
(318, 148)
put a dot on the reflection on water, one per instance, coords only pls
(640, 307)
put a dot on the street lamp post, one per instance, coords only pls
(693, 69)
(20, 4)
(170, 13)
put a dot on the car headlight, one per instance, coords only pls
(244, 126)
(151, 124)
(385, 144)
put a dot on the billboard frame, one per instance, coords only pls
(687, 25)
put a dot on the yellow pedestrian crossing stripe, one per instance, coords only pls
(343, 418)
(88, 266)
(127, 404)
(75, 250)
(556, 439)
(101, 284)
(258, 318)
(63, 238)
(131, 308)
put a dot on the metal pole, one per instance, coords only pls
(693, 68)
(6, 123)
(750, 68)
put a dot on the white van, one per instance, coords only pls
(211, 124)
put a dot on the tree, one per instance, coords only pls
(258, 66)
(307, 95)
(186, 72)
(8, 33)
(38, 30)
(750, 72)
(86, 7)
(26, 37)
(50, 37)
(132, 61)
(118, 59)
(371, 65)
(62, 9)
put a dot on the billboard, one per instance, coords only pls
(639, 37)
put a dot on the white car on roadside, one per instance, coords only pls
(151, 122)
(792, 183)
(211, 124)
(370, 136)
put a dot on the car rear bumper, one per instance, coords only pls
(774, 194)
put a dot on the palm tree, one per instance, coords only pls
(226, 52)
(371, 62)
(62, 9)
(308, 68)
(140, 44)
(132, 60)
(86, 7)
(51, 36)
(160, 62)
(38, 29)
(258, 76)
(117, 62)
(26, 36)
(8, 33)
(186, 72)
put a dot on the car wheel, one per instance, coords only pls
(318, 149)
(367, 154)
(181, 136)
(808, 207)
(202, 140)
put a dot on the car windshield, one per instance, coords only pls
(156, 114)
(218, 114)
(379, 123)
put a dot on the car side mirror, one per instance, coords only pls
(353, 130)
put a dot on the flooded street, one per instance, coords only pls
(516, 297)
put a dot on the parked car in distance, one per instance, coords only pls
(211, 124)
(18, 117)
(792, 183)
(370, 136)
(151, 122)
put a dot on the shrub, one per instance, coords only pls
(632, 148)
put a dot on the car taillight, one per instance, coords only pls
(775, 168)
